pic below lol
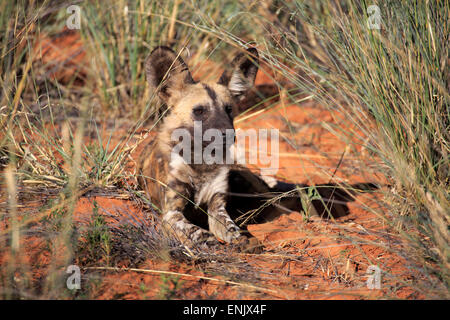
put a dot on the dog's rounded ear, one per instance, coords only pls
(242, 78)
(166, 72)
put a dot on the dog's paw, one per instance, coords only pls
(221, 226)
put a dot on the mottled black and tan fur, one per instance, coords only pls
(187, 193)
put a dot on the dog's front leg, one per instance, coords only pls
(220, 223)
(176, 223)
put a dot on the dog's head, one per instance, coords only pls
(212, 104)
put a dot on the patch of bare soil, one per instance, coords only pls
(62, 56)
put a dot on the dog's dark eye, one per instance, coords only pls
(198, 111)
(229, 109)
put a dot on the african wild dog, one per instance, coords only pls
(195, 198)
(185, 192)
